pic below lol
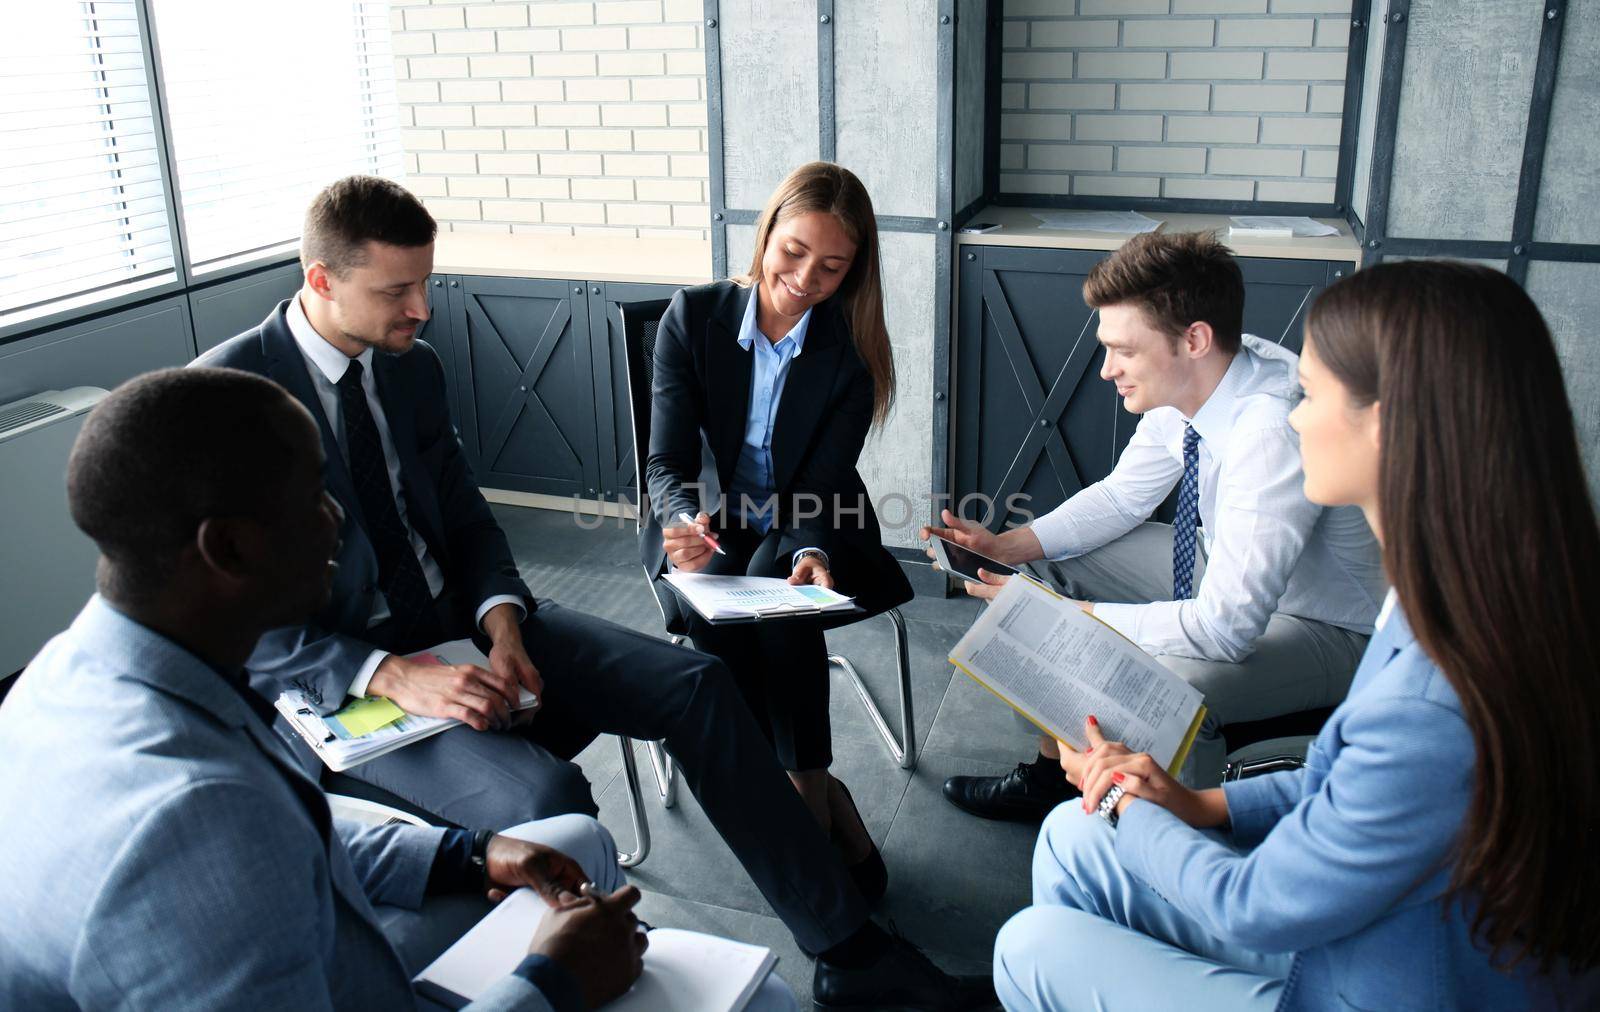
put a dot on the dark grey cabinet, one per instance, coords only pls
(1034, 421)
(523, 380)
(537, 381)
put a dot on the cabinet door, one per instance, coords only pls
(613, 416)
(523, 349)
(1033, 416)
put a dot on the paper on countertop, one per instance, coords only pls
(1299, 226)
(1119, 222)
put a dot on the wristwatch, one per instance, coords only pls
(1108, 804)
(480, 853)
(806, 553)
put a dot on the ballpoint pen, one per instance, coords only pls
(710, 541)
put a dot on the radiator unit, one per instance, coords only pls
(46, 564)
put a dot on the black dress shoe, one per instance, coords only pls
(900, 978)
(1016, 797)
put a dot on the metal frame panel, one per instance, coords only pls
(827, 132)
(1544, 90)
(1355, 72)
(1355, 75)
(719, 233)
(1176, 205)
(1394, 60)
(1519, 249)
(944, 245)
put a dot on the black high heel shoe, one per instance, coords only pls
(870, 874)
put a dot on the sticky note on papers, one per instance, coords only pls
(365, 716)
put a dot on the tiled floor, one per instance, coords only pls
(953, 879)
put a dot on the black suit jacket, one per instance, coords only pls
(700, 396)
(442, 502)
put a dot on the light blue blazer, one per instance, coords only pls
(1349, 859)
(162, 848)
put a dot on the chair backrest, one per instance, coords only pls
(639, 323)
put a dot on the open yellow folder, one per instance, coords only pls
(1055, 664)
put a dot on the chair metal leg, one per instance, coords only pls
(666, 773)
(904, 748)
(641, 826)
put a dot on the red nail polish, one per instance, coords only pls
(1096, 723)
(1090, 751)
(1118, 777)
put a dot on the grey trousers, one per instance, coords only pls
(1298, 664)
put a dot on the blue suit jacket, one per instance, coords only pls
(442, 500)
(1348, 860)
(163, 849)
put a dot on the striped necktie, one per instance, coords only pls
(1183, 526)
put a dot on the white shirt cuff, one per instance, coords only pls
(358, 687)
(1055, 536)
(794, 559)
(495, 602)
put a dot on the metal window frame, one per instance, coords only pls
(1520, 249)
(187, 278)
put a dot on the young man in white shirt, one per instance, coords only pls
(1259, 598)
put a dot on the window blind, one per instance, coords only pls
(81, 202)
(266, 104)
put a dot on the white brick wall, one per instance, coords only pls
(564, 116)
(1201, 99)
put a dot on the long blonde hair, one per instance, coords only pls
(824, 186)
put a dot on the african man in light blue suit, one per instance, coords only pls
(163, 848)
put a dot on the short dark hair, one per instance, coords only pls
(163, 452)
(1175, 279)
(357, 210)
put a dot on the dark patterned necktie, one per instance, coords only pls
(1183, 525)
(400, 574)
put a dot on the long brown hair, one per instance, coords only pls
(1490, 538)
(824, 186)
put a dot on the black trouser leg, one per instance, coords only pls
(607, 678)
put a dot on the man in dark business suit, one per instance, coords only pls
(422, 560)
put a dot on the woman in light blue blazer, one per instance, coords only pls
(1439, 849)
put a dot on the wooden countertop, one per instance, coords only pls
(574, 258)
(1020, 228)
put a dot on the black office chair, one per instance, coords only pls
(889, 591)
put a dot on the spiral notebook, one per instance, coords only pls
(684, 971)
(366, 728)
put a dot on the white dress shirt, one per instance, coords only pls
(1268, 548)
(327, 365)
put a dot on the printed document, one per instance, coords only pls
(733, 597)
(1115, 222)
(1056, 664)
(684, 971)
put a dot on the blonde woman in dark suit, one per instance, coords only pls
(782, 373)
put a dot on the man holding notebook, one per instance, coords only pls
(1257, 597)
(175, 853)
